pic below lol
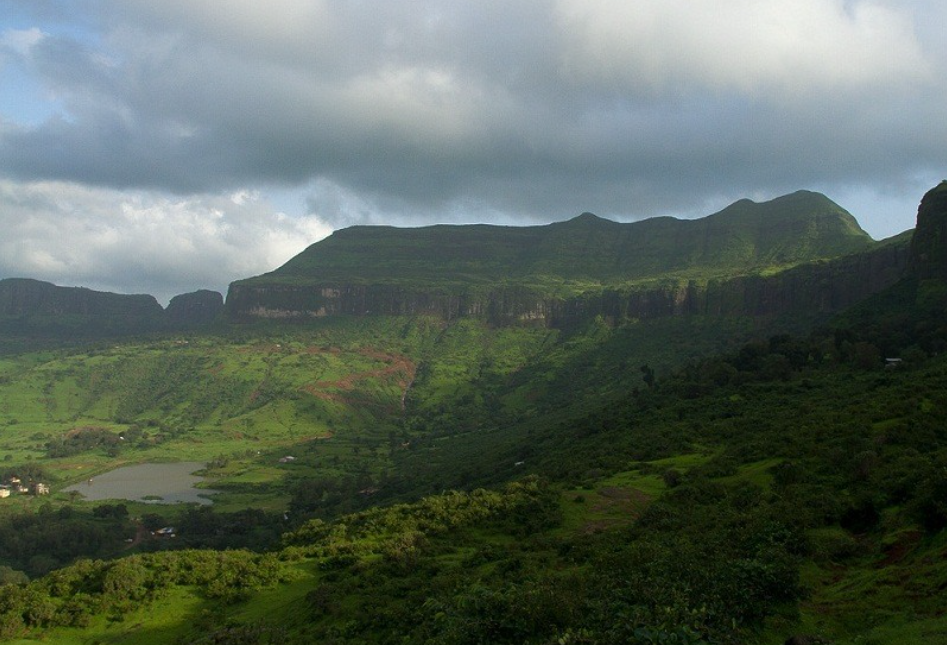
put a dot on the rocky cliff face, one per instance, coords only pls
(816, 288)
(929, 247)
(20, 296)
(33, 307)
(194, 309)
(501, 305)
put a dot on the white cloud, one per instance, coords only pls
(778, 48)
(21, 41)
(143, 242)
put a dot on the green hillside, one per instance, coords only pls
(742, 238)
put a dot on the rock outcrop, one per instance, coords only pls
(929, 247)
(194, 309)
(37, 308)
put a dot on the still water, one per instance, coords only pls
(153, 483)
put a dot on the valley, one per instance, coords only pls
(457, 435)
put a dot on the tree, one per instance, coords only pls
(648, 375)
(10, 576)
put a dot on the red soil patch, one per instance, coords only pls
(399, 369)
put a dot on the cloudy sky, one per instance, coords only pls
(166, 146)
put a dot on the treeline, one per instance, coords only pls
(36, 543)
(528, 505)
(85, 440)
(201, 527)
(73, 596)
(39, 542)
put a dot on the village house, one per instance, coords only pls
(16, 485)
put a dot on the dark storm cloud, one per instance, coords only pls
(539, 109)
(527, 107)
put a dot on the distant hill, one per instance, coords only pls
(588, 265)
(36, 308)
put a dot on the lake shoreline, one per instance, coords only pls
(150, 483)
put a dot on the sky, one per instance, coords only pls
(162, 147)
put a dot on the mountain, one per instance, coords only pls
(198, 308)
(22, 296)
(41, 309)
(559, 273)
(796, 228)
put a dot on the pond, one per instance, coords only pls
(150, 483)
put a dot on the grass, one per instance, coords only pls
(758, 473)
(167, 619)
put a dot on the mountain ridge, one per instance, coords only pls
(30, 306)
(556, 274)
(800, 227)
(761, 258)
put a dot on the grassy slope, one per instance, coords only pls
(247, 400)
(879, 585)
(340, 396)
